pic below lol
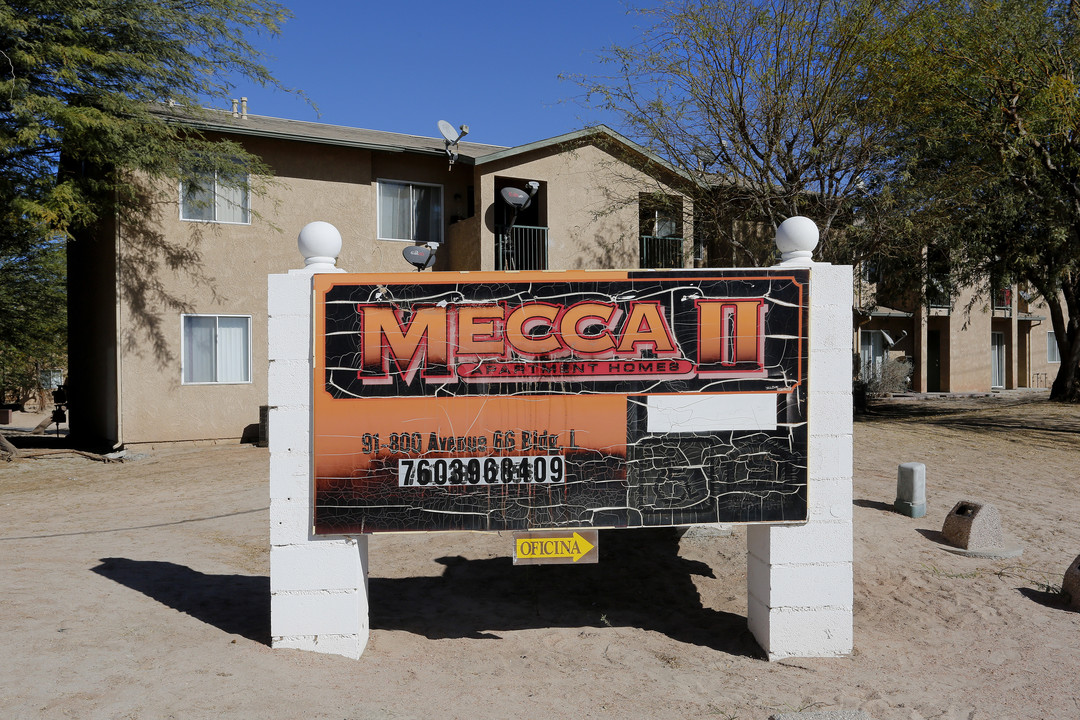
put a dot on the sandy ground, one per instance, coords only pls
(141, 590)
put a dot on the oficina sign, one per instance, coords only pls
(486, 401)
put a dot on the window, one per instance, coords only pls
(216, 349)
(871, 354)
(1052, 354)
(208, 198)
(410, 212)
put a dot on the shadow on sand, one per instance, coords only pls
(236, 604)
(639, 582)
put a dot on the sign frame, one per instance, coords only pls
(402, 349)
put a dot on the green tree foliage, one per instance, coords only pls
(80, 85)
(87, 90)
(987, 153)
(33, 326)
(766, 101)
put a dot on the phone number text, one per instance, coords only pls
(511, 469)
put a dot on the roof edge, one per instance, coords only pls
(209, 123)
(582, 134)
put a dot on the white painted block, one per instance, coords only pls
(289, 382)
(832, 284)
(290, 475)
(757, 619)
(830, 500)
(816, 542)
(317, 613)
(804, 633)
(830, 368)
(288, 295)
(827, 333)
(318, 565)
(350, 646)
(710, 413)
(290, 521)
(830, 456)
(800, 586)
(831, 412)
(290, 430)
(289, 338)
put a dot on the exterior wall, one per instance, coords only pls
(224, 270)
(964, 343)
(168, 266)
(93, 383)
(1032, 354)
(969, 343)
(591, 200)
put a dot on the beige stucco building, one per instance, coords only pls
(970, 340)
(168, 313)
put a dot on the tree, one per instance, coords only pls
(88, 90)
(33, 327)
(987, 148)
(766, 102)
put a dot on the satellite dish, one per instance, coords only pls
(419, 256)
(448, 132)
(889, 339)
(452, 136)
(517, 199)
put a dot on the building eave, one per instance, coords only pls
(323, 134)
(584, 135)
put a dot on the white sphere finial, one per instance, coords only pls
(320, 244)
(796, 239)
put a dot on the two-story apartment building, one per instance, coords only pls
(957, 340)
(168, 314)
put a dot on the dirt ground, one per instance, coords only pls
(141, 590)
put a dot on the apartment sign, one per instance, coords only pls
(525, 401)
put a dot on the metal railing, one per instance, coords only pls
(1003, 300)
(521, 247)
(660, 252)
(939, 293)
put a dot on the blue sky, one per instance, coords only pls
(403, 66)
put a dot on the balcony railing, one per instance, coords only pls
(661, 252)
(1003, 301)
(939, 293)
(521, 247)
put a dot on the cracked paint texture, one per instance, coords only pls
(495, 401)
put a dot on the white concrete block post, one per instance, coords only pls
(799, 577)
(318, 585)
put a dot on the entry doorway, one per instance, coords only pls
(933, 361)
(997, 360)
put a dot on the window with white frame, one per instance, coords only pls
(216, 349)
(409, 211)
(1052, 354)
(207, 197)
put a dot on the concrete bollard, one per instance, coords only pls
(1071, 584)
(911, 490)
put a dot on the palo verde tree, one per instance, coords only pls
(766, 103)
(82, 88)
(987, 152)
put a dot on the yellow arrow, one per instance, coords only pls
(539, 548)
